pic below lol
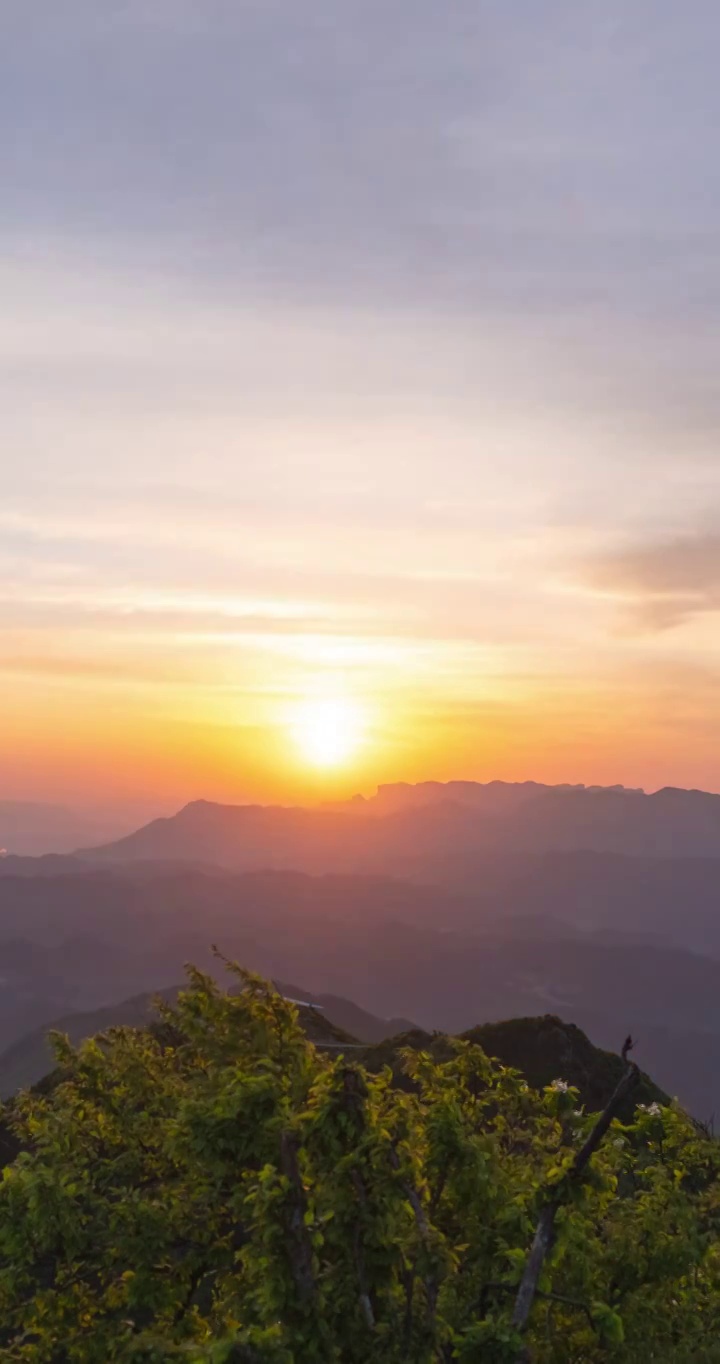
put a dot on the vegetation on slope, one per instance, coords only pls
(542, 1048)
(220, 1189)
(31, 1058)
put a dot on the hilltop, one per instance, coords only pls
(327, 1020)
(543, 1048)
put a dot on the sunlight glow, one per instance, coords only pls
(328, 730)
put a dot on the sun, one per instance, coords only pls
(328, 730)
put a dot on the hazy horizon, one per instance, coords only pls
(360, 398)
(131, 813)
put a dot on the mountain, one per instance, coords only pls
(47, 864)
(430, 831)
(328, 1020)
(93, 938)
(343, 1013)
(489, 798)
(30, 829)
(543, 1049)
(31, 1058)
(674, 899)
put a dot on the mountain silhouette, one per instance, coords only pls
(430, 831)
(31, 828)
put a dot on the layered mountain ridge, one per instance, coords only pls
(449, 904)
(414, 830)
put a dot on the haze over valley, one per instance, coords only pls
(448, 905)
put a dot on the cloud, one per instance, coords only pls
(467, 156)
(664, 582)
(366, 312)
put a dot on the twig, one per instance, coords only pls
(408, 1280)
(412, 1197)
(423, 1226)
(549, 1297)
(542, 1242)
(439, 1189)
(359, 1254)
(194, 1282)
(300, 1249)
(352, 1101)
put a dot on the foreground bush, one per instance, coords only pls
(217, 1189)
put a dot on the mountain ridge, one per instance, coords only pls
(441, 959)
(543, 1047)
(28, 1060)
(414, 830)
(33, 828)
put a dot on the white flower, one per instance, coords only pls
(653, 1110)
(561, 1086)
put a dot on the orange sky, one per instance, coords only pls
(396, 395)
(167, 610)
(197, 728)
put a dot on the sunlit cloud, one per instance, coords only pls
(662, 583)
(398, 389)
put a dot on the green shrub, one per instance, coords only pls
(217, 1189)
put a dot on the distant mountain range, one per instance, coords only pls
(543, 1048)
(31, 829)
(671, 900)
(31, 1058)
(451, 905)
(96, 936)
(431, 831)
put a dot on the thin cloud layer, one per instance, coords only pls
(371, 346)
(665, 582)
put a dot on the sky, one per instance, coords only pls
(361, 355)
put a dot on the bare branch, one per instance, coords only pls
(423, 1226)
(300, 1249)
(542, 1243)
(359, 1254)
(413, 1199)
(548, 1297)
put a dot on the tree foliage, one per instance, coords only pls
(217, 1189)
